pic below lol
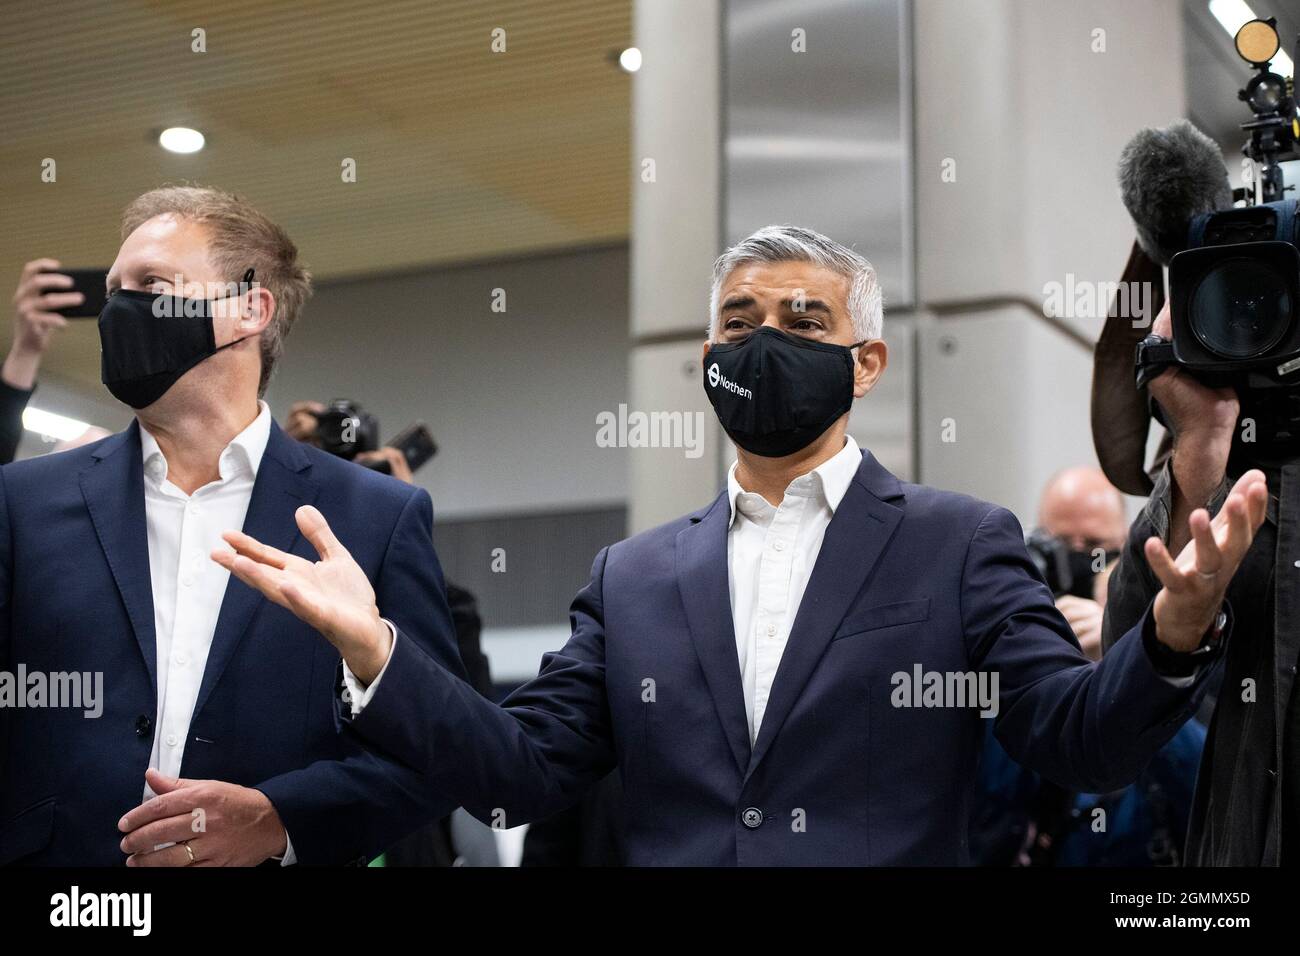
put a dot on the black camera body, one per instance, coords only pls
(1235, 298)
(1052, 558)
(346, 430)
(1234, 271)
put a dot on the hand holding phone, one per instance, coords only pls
(416, 444)
(90, 284)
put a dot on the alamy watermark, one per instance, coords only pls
(946, 689)
(73, 690)
(636, 429)
(129, 910)
(1077, 298)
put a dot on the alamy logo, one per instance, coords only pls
(717, 378)
(74, 690)
(946, 689)
(133, 910)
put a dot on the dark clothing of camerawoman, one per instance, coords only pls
(1248, 789)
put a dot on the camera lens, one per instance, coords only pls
(1240, 309)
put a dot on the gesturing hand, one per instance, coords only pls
(332, 595)
(1195, 583)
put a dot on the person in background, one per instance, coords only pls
(457, 839)
(1085, 511)
(35, 323)
(1019, 818)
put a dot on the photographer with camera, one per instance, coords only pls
(1247, 793)
(322, 426)
(1220, 373)
(1080, 531)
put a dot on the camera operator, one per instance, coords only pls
(35, 323)
(303, 424)
(1246, 793)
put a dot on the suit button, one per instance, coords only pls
(752, 818)
(143, 724)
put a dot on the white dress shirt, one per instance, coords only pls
(188, 586)
(770, 556)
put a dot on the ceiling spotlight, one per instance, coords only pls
(630, 60)
(181, 139)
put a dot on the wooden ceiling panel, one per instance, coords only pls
(462, 153)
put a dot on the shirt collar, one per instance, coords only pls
(830, 479)
(242, 456)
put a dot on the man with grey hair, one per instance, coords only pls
(795, 673)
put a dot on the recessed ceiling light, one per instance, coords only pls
(630, 60)
(181, 139)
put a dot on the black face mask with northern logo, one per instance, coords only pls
(149, 340)
(776, 394)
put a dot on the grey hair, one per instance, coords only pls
(796, 244)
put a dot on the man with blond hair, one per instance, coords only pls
(217, 743)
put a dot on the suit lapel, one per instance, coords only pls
(855, 539)
(282, 486)
(702, 580)
(113, 488)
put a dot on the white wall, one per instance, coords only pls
(510, 398)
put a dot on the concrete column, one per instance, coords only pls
(675, 237)
(1028, 103)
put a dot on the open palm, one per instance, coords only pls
(333, 594)
(1196, 581)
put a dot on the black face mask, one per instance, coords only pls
(149, 340)
(775, 393)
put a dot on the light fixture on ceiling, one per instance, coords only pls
(629, 61)
(57, 427)
(181, 139)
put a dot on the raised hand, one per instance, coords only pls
(332, 595)
(35, 320)
(1196, 582)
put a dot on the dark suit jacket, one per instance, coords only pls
(13, 402)
(75, 596)
(650, 681)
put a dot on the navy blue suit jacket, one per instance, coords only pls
(650, 681)
(75, 595)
